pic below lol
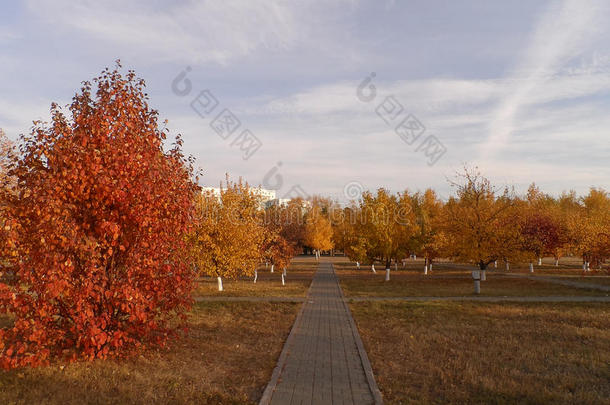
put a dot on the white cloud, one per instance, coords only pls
(16, 117)
(190, 31)
(561, 34)
(7, 35)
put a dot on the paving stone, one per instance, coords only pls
(323, 364)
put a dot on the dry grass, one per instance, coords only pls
(298, 278)
(458, 353)
(408, 284)
(227, 358)
(264, 287)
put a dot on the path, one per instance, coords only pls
(553, 298)
(490, 299)
(562, 281)
(323, 360)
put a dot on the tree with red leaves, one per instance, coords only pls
(98, 220)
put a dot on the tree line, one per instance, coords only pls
(480, 224)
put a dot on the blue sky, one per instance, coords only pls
(521, 89)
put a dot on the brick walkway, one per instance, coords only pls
(323, 360)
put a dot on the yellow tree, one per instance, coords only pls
(6, 151)
(226, 240)
(388, 224)
(480, 225)
(345, 234)
(429, 240)
(589, 228)
(318, 231)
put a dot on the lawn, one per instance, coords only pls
(227, 358)
(361, 283)
(457, 353)
(298, 278)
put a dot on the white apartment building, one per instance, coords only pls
(266, 195)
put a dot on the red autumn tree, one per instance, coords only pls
(98, 221)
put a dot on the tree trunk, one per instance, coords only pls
(395, 265)
(495, 264)
(556, 262)
(220, 284)
(387, 274)
(540, 261)
(477, 286)
(358, 265)
(507, 266)
(284, 273)
(283, 281)
(373, 268)
(272, 266)
(483, 275)
(266, 264)
(255, 276)
(531, 267)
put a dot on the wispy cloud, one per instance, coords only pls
(562, 33)
(7, 35)
(194, 32)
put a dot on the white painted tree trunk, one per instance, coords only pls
(425, 269)
(395, 265)
(284, 272)
(283, 279)
(483, 275)
(414, 257)
(556, 262)
(430, 267)
(358, 265)
(587, 266)
(220, 284)
(255, 276)
(404, 264)
(540, 261)
(507, 266)
(266, 264)
(373, 268)
(477, 286)
(495, 264)
(387, 274)
(531, 267)
(272, 267)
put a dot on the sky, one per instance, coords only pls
(334, 97)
